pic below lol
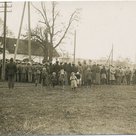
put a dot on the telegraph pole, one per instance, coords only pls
(29, 31)
(16, 48)
(112, 55)
(4, 41)
(6, 6)
(110, 58)
(74, 46)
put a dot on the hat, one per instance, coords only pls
(11, 60)
(72, 73)
(54, 73)
(43, 69)
(29, 62)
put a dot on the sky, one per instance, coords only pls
(102, 24)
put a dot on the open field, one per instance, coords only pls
(99, 110)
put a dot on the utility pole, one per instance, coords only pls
(29, 31)
(4, 41)
(16, 48)
(112, 55)
(74, 46)
(4, 35)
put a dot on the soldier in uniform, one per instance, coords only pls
(11, 72)
(23, 72)
(93, 73)
(112, 75)
(89, 77)
(29, 70)
(69, 70)
(103, 75)
(118, 75)
(128, 75)
(98, 74)
(84, 73)
(0, 69)
(56, 69)
(44, 77)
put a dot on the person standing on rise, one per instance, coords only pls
(11, 70)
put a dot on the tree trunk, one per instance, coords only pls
(51, 53)
(45, 59)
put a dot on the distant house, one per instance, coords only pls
(23, 47)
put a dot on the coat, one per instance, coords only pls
(11, 69)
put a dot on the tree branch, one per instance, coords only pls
(57, 14)
(45, 14)
(57, 32)
(39, 11)
(65, 32)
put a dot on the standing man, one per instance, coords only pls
(128, 75)
(103, 75)
(29, 70)
(93, 70)
(112, 75)
(11, 71)
(56, 70)
(0, 69)
(98, 70)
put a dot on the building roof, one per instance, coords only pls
(23, 47)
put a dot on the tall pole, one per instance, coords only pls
(112, 55)
(19, 31)
(29, 27)
(135, 61)
(4, 42)
(108, 60)
(135, 58)
(74, 46)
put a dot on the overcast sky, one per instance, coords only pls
(102, 24)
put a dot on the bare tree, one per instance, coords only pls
(40, 35)
(54, 35)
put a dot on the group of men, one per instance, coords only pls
(87, 73)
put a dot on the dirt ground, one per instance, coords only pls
(99, 110)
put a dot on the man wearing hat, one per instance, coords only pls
(29, 69)
(0, 68)
(11, 71)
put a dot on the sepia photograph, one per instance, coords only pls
(67, 68)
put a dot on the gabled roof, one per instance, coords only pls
(23, 47)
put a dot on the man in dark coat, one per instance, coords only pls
(11, 71)
(56, 69)
(69, 70)
(93, 70)
(0, 69)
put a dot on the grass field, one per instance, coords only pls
(99, 110)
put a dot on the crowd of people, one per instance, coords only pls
(76, 75)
